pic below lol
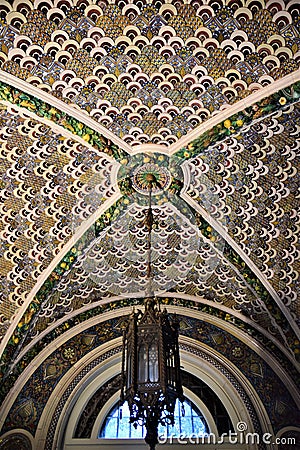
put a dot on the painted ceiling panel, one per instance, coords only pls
(254, 178)
(49, 184)
(183, 261)
(150, 73)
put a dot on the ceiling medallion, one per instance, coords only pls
(142, 174)
(135, 170)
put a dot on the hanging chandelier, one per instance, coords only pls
(151, 376)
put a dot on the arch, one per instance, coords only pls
(194, 42)
(284, 53)
(228, 45)
(194, 120)
(211, 44)
(88, 44)
(22, 42)
(93, 81)
(36, 3)
(109, 79)
(293, 9)
(167, 11)
(239, 85)
(271, 62)
(36, 51)
(69, 93)
(275, 5)
(166, 32)
(167, 51)
(276, 41)
(17, 438)
(96, 33)
(130, 10)
(45, 87)
(100, 71)
(103, 119)
(205, 12)
(157, 77)
(28, 62)
(15, 54)
(6, 6)
(67, 75)
(59, 36)
(35, 81)
(222, 82)
(176, 41)
(70, 46)
(247, 48)
(158, 42)
(282, 19)
(60, 3)
(141, 77)
(132, 51)
(239, 36)
(76, 83)
(265, 50)
(212, 367)
(52, 48)
(243, 15)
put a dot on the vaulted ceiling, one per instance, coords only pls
(95, 95)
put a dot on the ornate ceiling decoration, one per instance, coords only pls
(150, 71)
(191, 259)
(82, 87)
(256, 183)
(49, 185)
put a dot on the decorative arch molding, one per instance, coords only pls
(104, 360)
(18, 438)
(230, 386)
(184, 311)
(288, 438)
(200, 36)
(255, 309)
(88, 223)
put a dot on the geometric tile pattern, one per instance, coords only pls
(148, 72)
(154, 72)
(49, 185)
(254, 176)
(184, 261)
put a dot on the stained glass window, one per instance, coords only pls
(188, 421)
